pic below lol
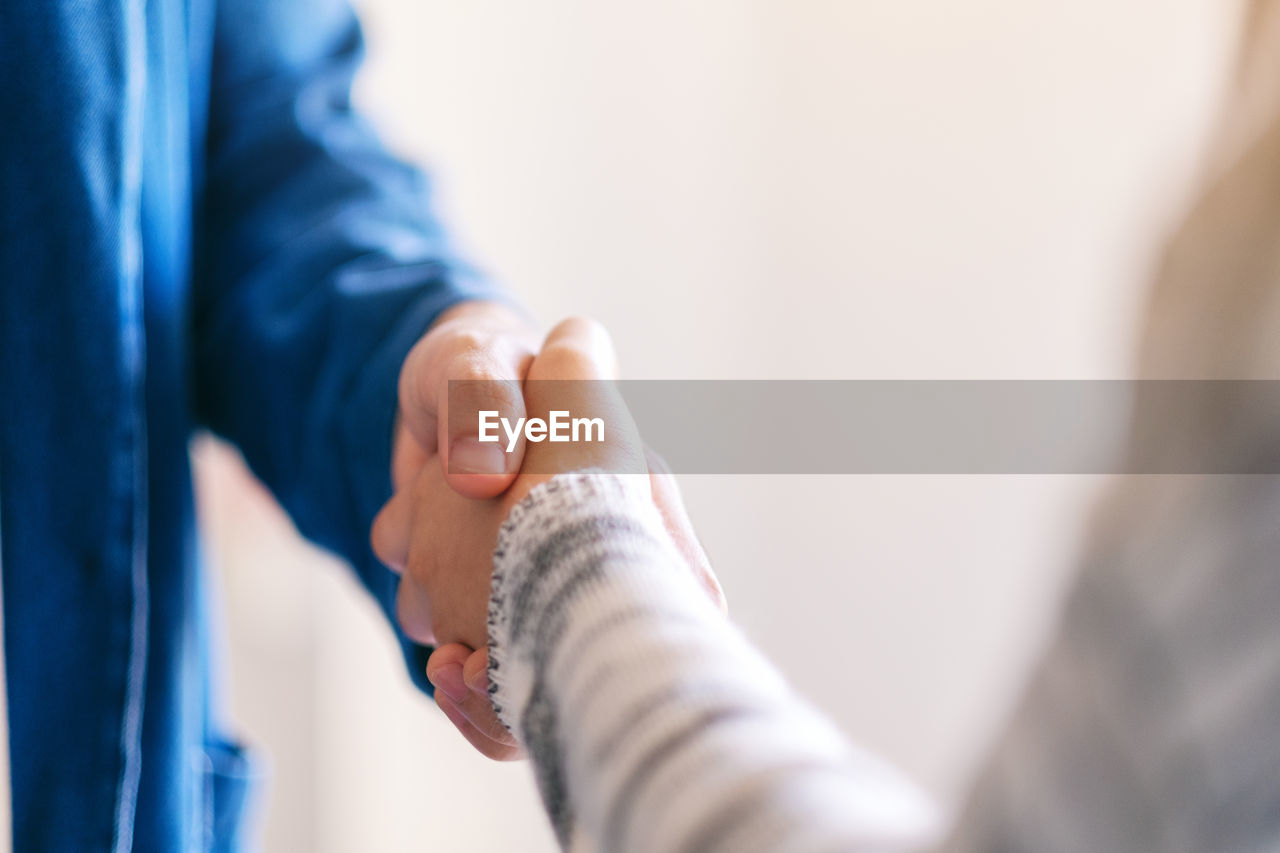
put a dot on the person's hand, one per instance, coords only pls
(443, 542)
(489, 347)
(461, 679)
(461, 676)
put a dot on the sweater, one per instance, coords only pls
(653, 725)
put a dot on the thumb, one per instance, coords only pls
(482, 446)
(484, 349)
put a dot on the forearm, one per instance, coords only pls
(318, 264)
(652, 723)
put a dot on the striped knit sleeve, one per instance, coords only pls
(651, 722)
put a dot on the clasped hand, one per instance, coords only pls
(452, 492)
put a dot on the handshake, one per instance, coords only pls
(456, 476)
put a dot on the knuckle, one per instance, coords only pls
(383, 540)
(378, 539)
(471, 365)
(480, 386)
(565, 359)
(412, 619)
(581, 326)
(578, 347)
(409, 387)
(468, 345)
(477, 376)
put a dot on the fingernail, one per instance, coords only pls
(469, 456)
(479, 681)
(449, 679)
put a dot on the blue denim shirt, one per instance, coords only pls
(196, 230)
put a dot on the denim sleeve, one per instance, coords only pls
(318, 265)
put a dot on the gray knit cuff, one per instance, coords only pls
(540, 546)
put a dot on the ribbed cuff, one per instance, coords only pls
(540, 546)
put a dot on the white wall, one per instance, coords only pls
(753, 189)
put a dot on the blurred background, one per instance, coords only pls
(756, 189)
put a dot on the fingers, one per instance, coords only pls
(577, 348)
(461, 681)
(572, 379)
(407, 457)
(417, 393)
(413, 613)
(671, 506)
(392, 528)
(475, 672)
(486, 746)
